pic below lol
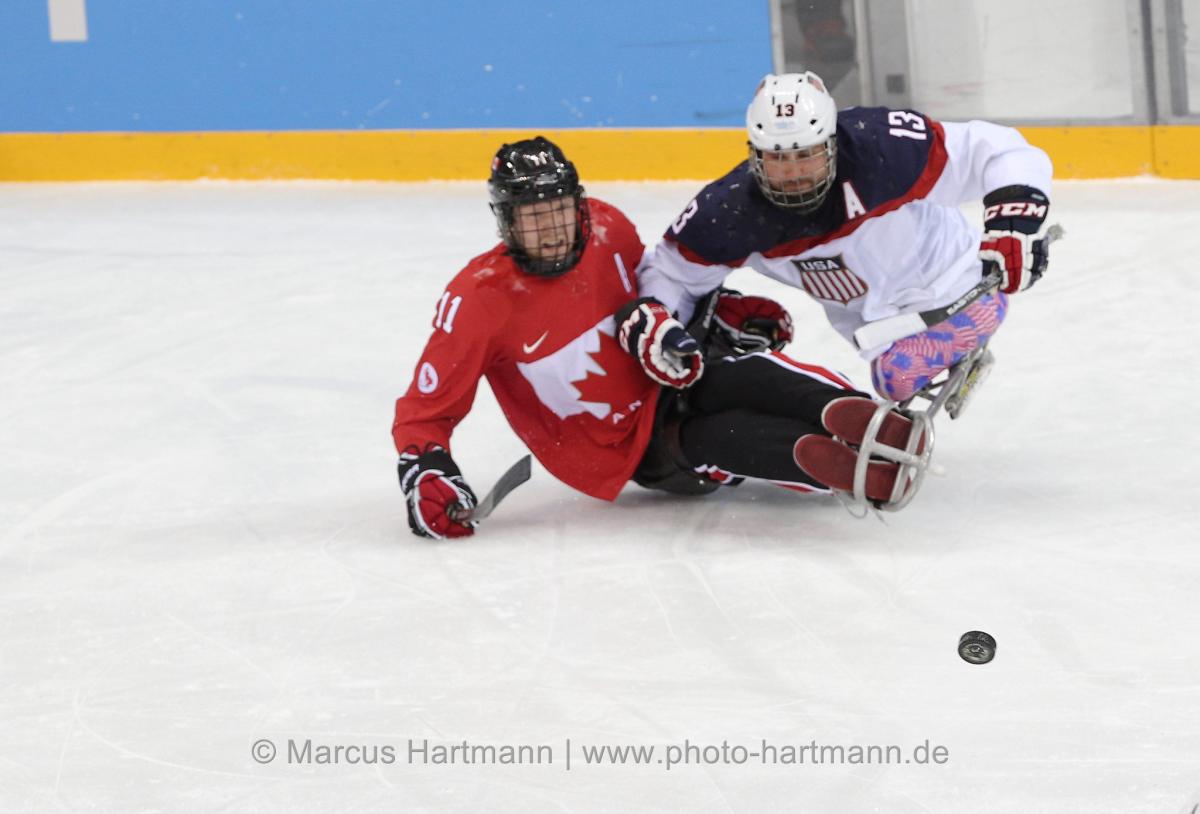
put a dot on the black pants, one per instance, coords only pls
(741, 420)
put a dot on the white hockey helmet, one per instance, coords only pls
(792, 126)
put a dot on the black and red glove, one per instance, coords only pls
(1012, 220)
(435, 491)
(751, 324)
(666, 351)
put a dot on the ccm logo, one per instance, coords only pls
(1016, 210)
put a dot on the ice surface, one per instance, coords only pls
(202, 542)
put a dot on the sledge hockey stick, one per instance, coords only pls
(883, 331)
(517, 474)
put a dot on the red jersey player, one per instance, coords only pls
(601, 400)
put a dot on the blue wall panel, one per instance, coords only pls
(171, 65)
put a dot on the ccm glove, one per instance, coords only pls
(434, 490)
(751, 324)
(1012, 220)
(666, 351)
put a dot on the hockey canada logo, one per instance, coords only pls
(427, 378)
(827, 278)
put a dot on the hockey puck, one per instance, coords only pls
(977, 647)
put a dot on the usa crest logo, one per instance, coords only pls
(827, 278)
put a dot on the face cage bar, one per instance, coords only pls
(807, 200)
(506, 218)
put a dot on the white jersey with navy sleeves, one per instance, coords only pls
(888, 239)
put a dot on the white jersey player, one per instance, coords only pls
(859, 208)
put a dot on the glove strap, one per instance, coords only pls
(412, 463)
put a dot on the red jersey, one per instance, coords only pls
(580, 403)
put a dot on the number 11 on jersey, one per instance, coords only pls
(444, 318)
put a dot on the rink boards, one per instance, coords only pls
(418, 155)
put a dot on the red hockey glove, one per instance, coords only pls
(665, 350)
(434, 488)
(1012, 219)
(752, 324)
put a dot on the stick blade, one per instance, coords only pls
(517, 474)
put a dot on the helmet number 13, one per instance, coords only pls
(785, 110)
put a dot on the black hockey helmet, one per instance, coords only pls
(549, 238)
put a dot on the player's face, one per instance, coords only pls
(546, 229)
(796, 171)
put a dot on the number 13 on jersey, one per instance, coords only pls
(907, 125)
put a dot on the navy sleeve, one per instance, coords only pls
(727, 221)
(888, 154)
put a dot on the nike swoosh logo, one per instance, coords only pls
(534, 346)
